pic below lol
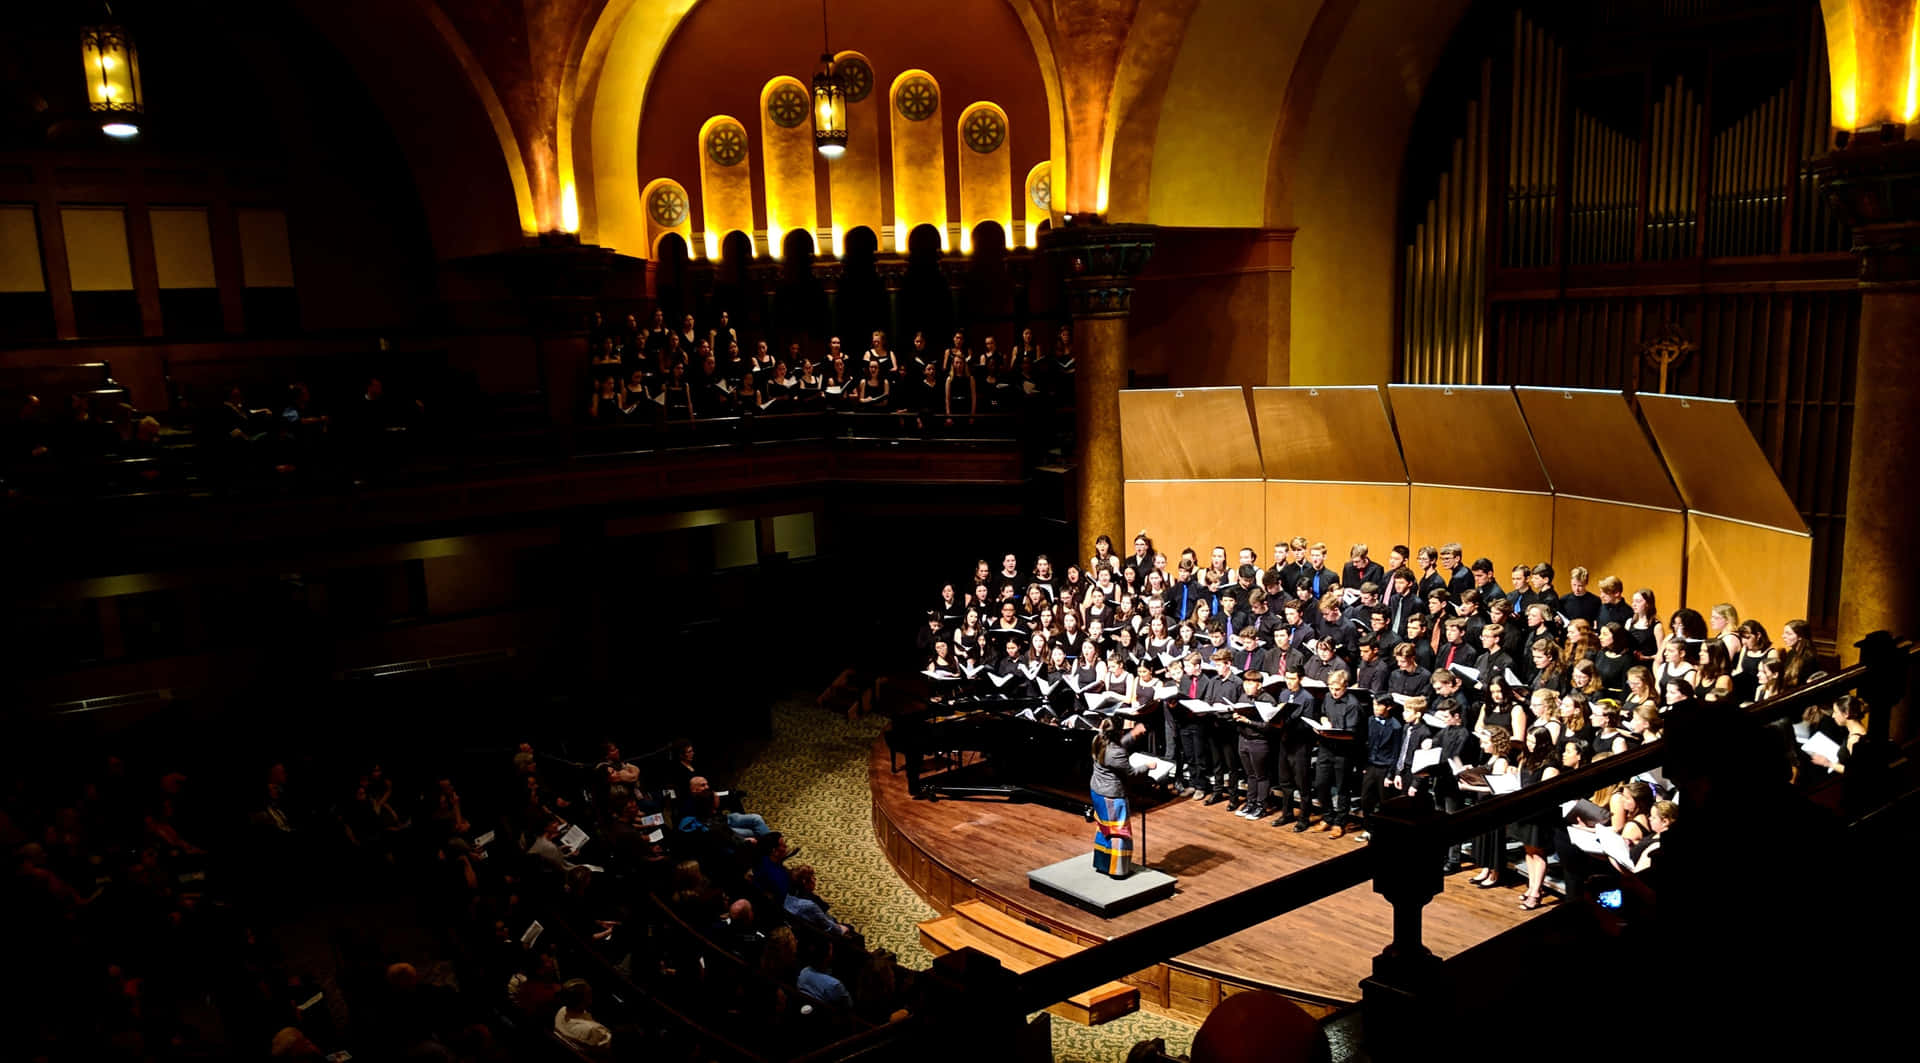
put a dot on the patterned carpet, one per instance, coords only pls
(811, 782)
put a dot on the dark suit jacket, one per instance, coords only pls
(1354, 577)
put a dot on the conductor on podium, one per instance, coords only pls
(1113, 834)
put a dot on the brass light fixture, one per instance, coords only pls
(829, 100)
(113, 78)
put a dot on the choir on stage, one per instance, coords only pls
(1305, 692)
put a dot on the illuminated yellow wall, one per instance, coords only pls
(1210, 146)
(667, 212)
(1342, 191)
(986, 172)
(1873, 58)
(726, 182)
(919, 157)
(786, 135)
(855, 175)
(1038, 205)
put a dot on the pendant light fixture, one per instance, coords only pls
(113, 78)
(829, 100)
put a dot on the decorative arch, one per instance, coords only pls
(523, 201)
(619, 46)
(445, 117)
(786, 138)
(669, 212)
(726, 181)
(604, 88)
(919, 156)
(1228, 73)
(1038, 209)
(986, 171)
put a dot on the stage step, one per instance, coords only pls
(1021, 948)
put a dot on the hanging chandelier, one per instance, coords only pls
(829, 100)
(113, 78)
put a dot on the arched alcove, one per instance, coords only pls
(651, 70)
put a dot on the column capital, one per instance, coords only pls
(892, 270)
(1099, 263)
(1875, 184)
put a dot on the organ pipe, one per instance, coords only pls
(1444, 298)
(1672, 217)
(1601, 211)
(1749, 188)
(1817, 227)
(1534, 147)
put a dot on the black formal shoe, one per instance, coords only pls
(1233, 804)
(1300, 827)
(1452, 867)
(1216, 798)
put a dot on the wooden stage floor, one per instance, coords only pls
(951, 851)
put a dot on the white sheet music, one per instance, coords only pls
(1822, 745)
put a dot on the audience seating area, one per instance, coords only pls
(415, 908)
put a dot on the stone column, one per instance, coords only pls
(1875, 182)
(892, 270)
(1098, 263)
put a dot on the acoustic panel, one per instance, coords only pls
(1466, 437)
(1717, 465)
(1338, 515)
(1201, 514)
(1643, 547)
(1336, 434)
(265, 260)
(182, 247)
(1508, 527)
(20, 250)
(1761, 571)
(1592, 446)
(97, 255)
(1187, 434)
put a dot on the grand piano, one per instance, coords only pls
(1020, 759)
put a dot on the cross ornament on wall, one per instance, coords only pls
(1667, 349)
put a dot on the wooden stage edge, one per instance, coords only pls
(951, 851)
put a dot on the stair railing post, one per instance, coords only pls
(1405, 998)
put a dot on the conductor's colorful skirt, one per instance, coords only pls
(1112, 837)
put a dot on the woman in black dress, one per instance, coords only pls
(1645, 632)
(1535, 832)
(1614, 660)
(1490, 850)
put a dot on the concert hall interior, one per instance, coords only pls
(630, 529)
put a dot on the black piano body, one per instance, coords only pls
(1020, 759)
